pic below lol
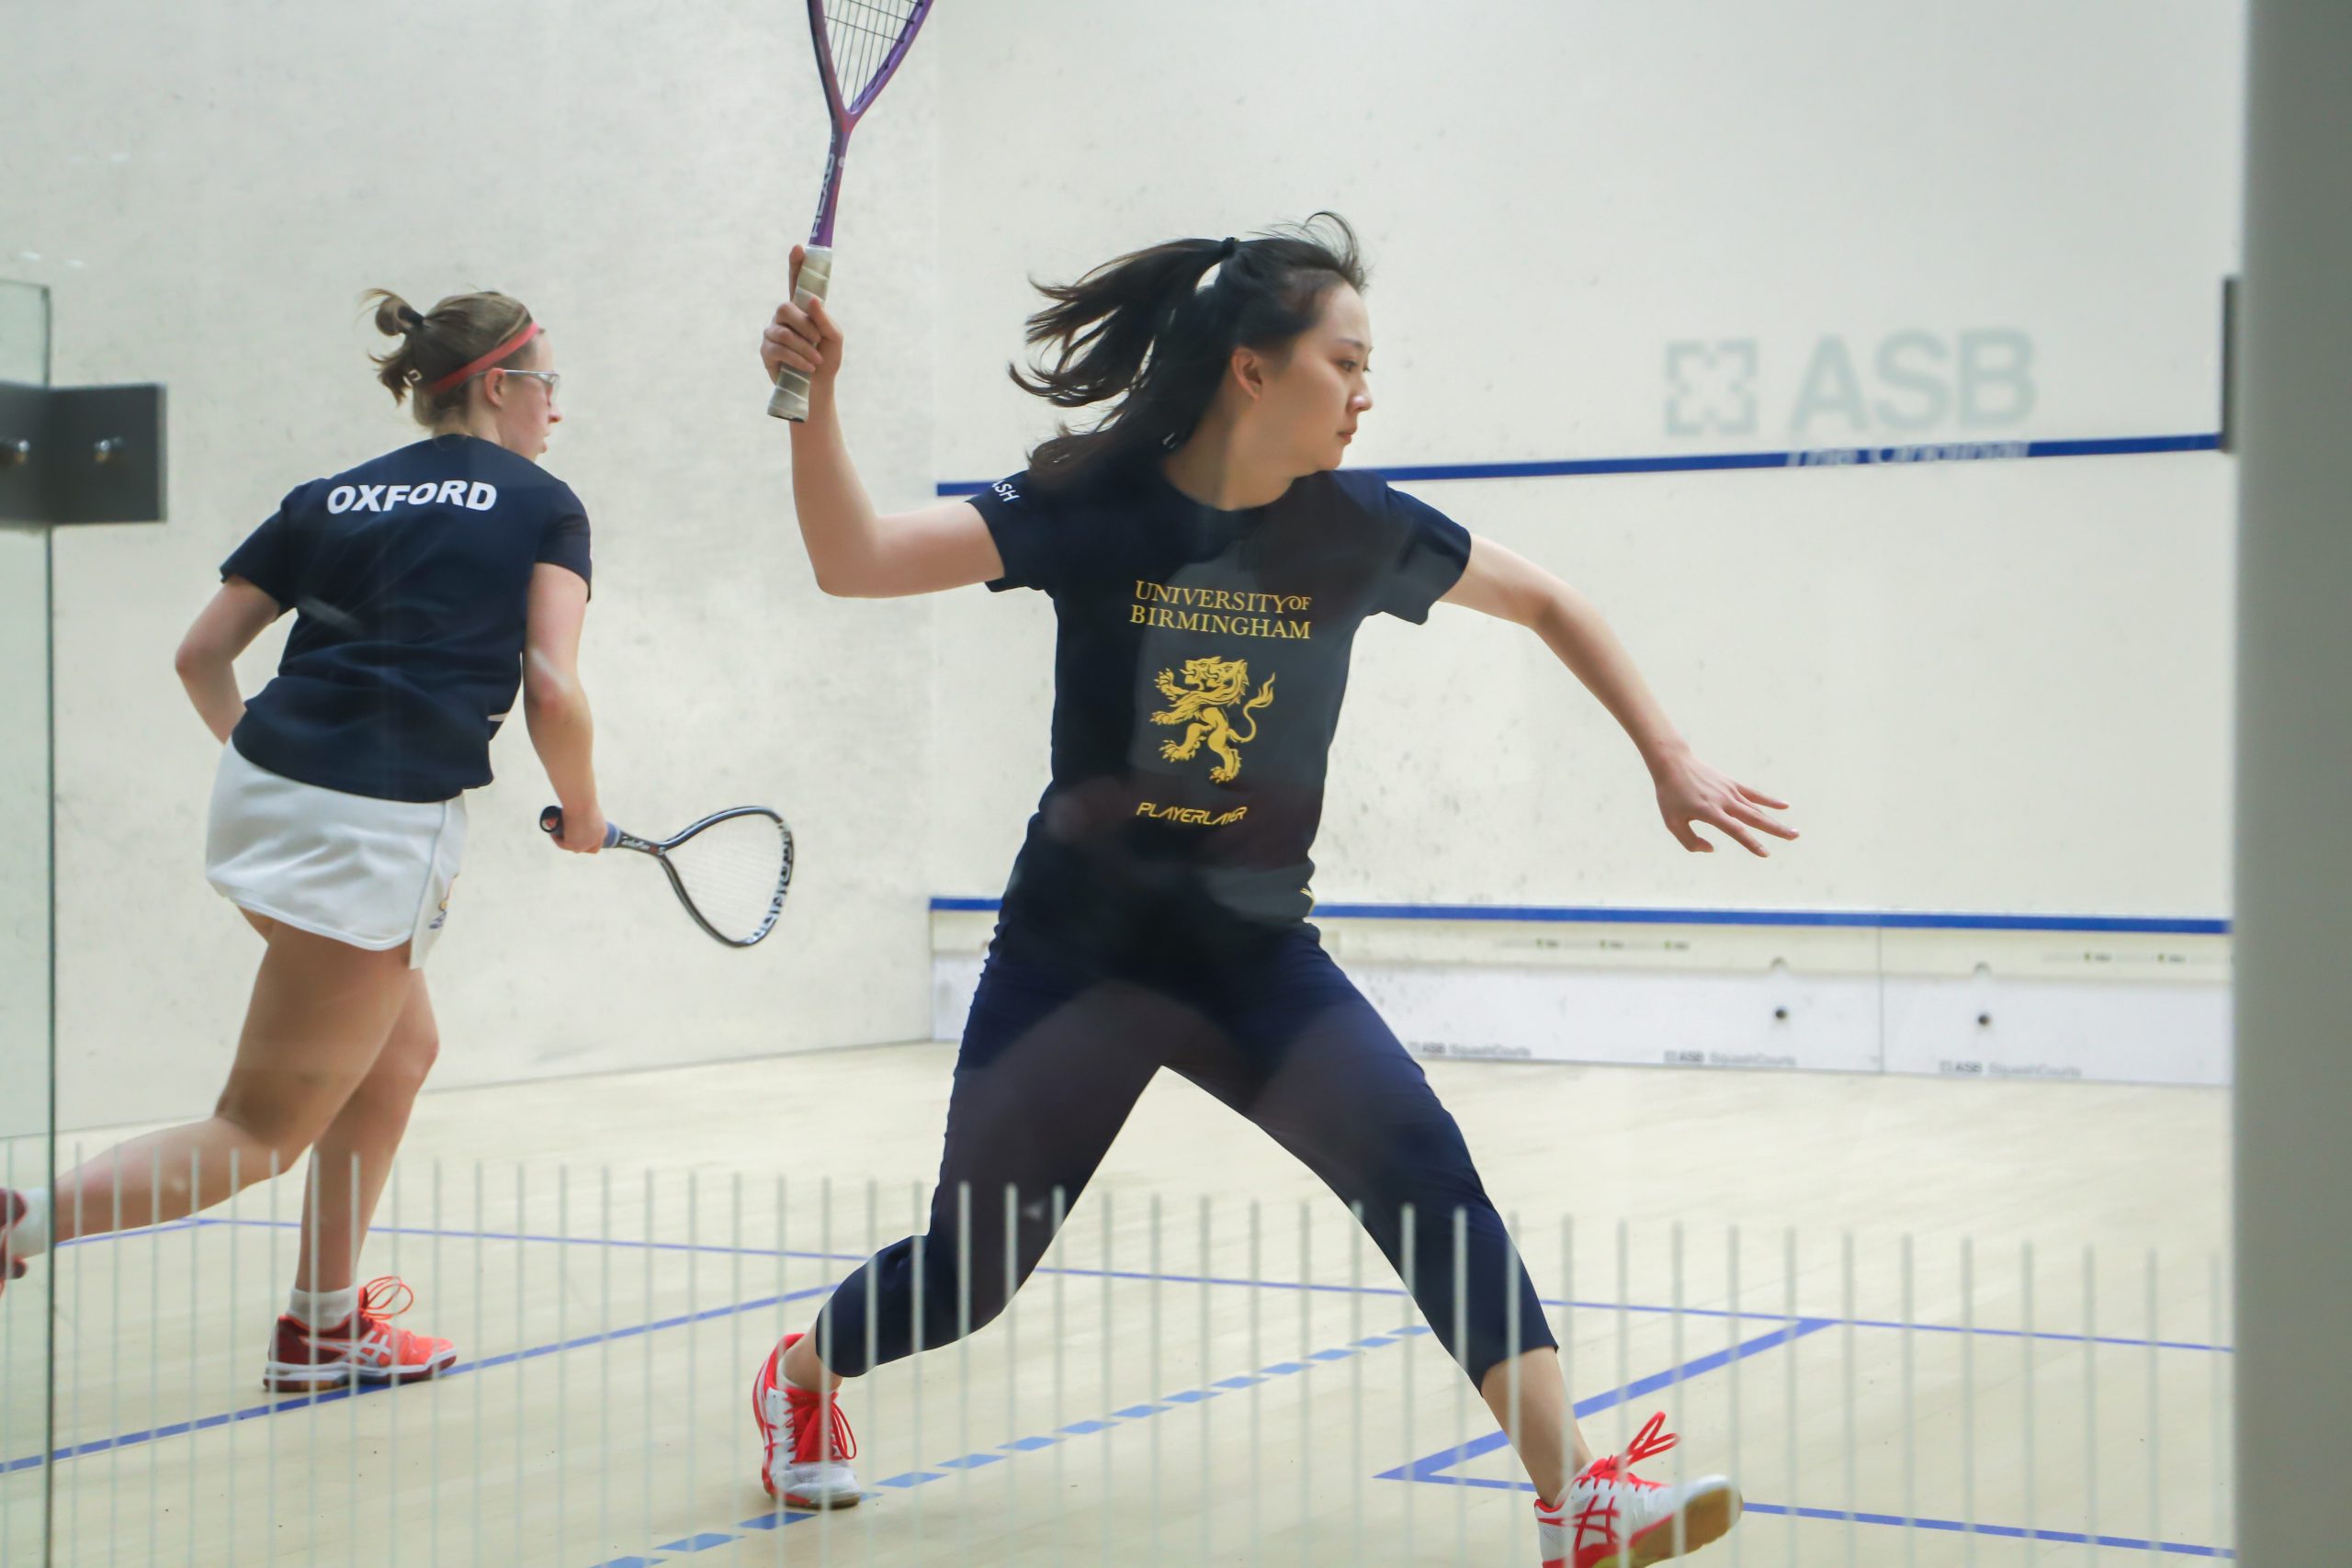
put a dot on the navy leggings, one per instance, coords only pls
(1054, 1056)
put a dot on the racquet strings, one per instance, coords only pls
(861, 34)
(731, 872)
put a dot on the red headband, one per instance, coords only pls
(485, 362)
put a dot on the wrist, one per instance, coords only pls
(820, 404)
(1663, 750)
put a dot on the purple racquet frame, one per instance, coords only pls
(847, 114)
(790, 398)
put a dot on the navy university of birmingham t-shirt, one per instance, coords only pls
(1200, 660)
(409, 580)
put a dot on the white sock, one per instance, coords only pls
(30, 1238)
(323, 1309)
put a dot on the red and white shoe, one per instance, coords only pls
(805, 1440)
(13, 1210)
(1612, 1518)
(364, 1348)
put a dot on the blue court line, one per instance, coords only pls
(1861, 1517)
(2006, 1532)
(776, 1518)
(703, 1540)
(1143, 1277)
(1616, 915)
(331, 1396)
(129, 1231)
(1813, 458)
(1432, 1469)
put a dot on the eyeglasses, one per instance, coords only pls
(553, 379)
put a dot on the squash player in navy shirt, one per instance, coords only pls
(428, 585)
(1208, 570)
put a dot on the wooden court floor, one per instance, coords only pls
(1921, 1322)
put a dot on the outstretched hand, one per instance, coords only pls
(1690, 792)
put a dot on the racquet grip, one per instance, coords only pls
(551, 823)
(790, 398)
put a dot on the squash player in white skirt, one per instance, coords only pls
(426, 585)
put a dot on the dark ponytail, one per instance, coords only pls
(1147, 331)
(456, 332)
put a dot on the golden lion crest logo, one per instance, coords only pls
(1211, 686)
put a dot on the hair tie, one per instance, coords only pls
(413, 317)
(1225, 252)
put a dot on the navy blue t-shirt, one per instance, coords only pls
(1199, 659)
(409, 577)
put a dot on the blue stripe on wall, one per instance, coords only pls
(1814, 457)
(1852, 920)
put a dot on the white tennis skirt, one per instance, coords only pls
(371, 872)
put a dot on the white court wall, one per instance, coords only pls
(1605, 231)
(1596, 230)
(207, 189)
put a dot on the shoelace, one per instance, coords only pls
(1599, 1516)
(1651, 1441)
(808, 1442)
(377, 1296)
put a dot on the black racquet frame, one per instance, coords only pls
(551, 822)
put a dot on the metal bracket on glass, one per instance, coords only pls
(2231, 314)
(81, 454)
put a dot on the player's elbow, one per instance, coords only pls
(1549, 608)
(546, 703)
(551, 715)
(196, 655)
(548, 691)
(845, 580)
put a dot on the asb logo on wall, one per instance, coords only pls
(1838, 389)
